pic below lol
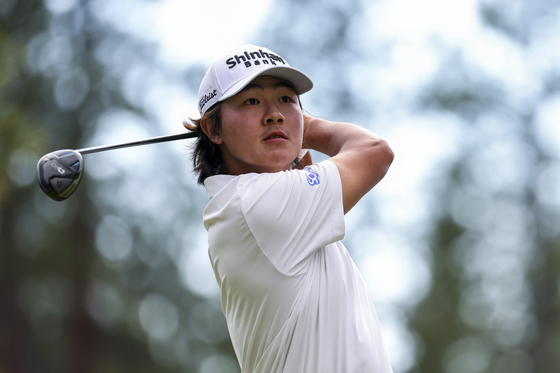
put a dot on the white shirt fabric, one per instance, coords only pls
(293, 298)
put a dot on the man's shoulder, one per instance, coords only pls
(312, 175)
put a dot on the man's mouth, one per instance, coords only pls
(276, 135)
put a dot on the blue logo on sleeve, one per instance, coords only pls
(312, 177)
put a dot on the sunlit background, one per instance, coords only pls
(459, 244)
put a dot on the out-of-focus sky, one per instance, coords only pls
(191, 32)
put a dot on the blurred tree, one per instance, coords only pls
(92, 284)
(493, 303)
(494, 243)
(96, 283)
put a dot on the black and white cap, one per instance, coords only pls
(231, 73)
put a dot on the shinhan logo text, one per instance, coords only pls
(254, 58)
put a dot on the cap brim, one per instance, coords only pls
(301, 82)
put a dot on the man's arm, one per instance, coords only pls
(362, 158)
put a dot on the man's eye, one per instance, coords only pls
(251, 101)
(285, 99)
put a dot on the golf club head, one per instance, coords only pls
(59, 173)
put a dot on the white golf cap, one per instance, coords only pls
(232, 72)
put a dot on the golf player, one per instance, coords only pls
(292, 297)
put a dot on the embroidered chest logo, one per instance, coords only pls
(312, 177)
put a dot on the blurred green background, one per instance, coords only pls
(460, 244)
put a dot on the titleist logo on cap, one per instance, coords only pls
(254, 58)
(207, 97)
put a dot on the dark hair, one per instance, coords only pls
(206, 156)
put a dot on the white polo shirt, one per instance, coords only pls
(293, 299)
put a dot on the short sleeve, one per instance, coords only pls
(292, 214)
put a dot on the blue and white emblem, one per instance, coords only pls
(312, 177)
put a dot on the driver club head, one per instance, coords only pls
(59, 173)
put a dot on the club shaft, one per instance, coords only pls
(153, 140)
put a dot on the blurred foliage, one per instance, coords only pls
(81, 287)
(97, 283)
(493, 303)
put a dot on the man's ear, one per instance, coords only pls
(206, 126)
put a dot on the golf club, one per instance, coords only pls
(60, 172)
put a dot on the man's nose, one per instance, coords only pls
(273, 115)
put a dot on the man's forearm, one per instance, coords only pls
(331, 138)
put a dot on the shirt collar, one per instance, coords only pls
(216, 183)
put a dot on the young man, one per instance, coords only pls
(293, 299)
